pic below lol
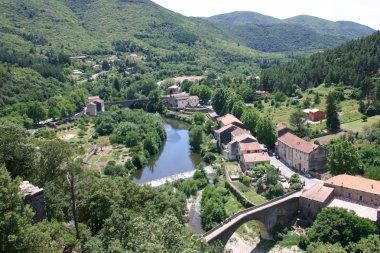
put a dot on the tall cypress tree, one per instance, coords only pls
(332, 117)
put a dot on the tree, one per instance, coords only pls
(198, 118)
(196, 137)
(116, 84)
(338, 225)
(250, 118)
(367, 245)
(53, 155)
(202, 91)
(17, 152)
(332, 117)
(238, 109)
(155, 103)
(103, 141)
(219, 101)
(274, 191)
(295, 179)
(37, 111)
(105, 65)
(317, 98)
(343, 157)
(266, 132)
(297, 118)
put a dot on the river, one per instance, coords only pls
(175, 157)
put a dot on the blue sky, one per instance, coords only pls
(366, 12)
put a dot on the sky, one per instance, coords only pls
(366, 12)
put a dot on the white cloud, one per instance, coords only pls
(365, 12)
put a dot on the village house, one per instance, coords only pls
(231, 149)
(223, 134)
(77, 72)
(250, 160)
(213, 116)
(282, 129)
(95, 105)
(315, 114)
(174, 89)
(301, 155)
(35, 198)
(181, 100)
(229, 119)
(361, 195)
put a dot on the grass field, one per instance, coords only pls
(250, 193)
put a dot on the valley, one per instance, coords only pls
(128, 127)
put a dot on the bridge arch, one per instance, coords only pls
(277, 212)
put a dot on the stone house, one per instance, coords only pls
(231, 150)
(351, 192)
(355, 188)
(178, 100)
(95, 105)
(250, 160)
(223, 134)
(174, 89)
(35, 197)
(301, 155)
(315, 114)
(193, 101)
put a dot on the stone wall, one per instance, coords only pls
(35, 197)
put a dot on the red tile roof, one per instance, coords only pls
(222, 129)
(239, 131)
(228, 119)
(243, 137)
(297, 143)
(318, 192)
(256, 157)
(252, 146)
(356, 183)
(280, 126)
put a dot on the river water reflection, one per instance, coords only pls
(175, 157)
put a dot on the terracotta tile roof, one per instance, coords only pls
(356, 183)
(222, 129)
(256, 157)
(297, 143)
(194, 98)
(280, 126)
(95, 99)
(318, 192)
(228, 119)
(181, 96)
(252, 146)
(239, 131)
(243, 137)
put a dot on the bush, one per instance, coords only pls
(113, 169)
(245, 180)
(209, 158)
(274, 191)
(138, 161)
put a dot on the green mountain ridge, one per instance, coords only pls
(304, 33)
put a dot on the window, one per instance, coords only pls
(349, 195)
(360, 198)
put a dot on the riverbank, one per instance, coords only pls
(175, 157)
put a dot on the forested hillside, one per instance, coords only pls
(297, 33)
(355, 64)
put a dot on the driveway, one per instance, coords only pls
(287, 172)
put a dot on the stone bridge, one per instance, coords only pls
(279, 211)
